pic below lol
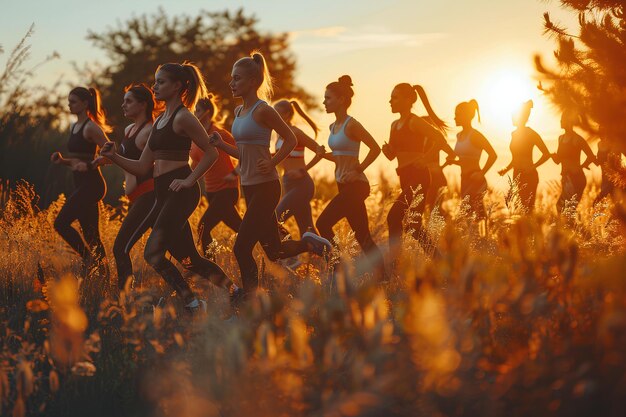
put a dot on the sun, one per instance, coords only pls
(502, 93)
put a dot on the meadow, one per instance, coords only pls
(524, 314)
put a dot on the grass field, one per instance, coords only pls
(521, 315)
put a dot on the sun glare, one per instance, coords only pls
(502, 93)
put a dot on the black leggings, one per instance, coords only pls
(82, 205)
(171, 233)
(350, 203)
(222, 208)
(259, 224)
(410, 178)
(131, 230)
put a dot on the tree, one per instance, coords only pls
(212, 40)
(590, 75)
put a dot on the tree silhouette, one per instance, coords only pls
(212, 40)
(590, 76)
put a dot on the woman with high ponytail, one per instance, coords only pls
(179, 86)
(252, 130)
(298, 187)
(220, 181)
(469, 146)
(523, 141)
(346, 135)
(86, 135)
(411, 139)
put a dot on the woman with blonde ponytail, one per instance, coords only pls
(179, 86)
(523, 141)
(297, 185)
(221, 180)
(252, 130)
(346, 135)
(469, 147)
(410, 140)
(86, 135)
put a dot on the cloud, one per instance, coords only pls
(336, 39)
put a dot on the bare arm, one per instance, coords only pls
(587, 150)
(544, 150)
(187, 123)
(356, 131)
(311, 144)
(491, 153)
(271, 119)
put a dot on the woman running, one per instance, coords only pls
(523, 141)
(86, 135)
(438, 180)
(252, 129)
(139, 106)
(220, 181)
(571, 144)
(175, 183)
(470, 145)
(297, 185)
(409, 144)
(346, 135)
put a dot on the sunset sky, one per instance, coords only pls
(457, 50)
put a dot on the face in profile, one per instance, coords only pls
(131, 106)
(164, 87)
(397, 101)
(75, 104)
(241, 83)
(332, 102)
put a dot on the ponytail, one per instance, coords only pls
(94, 106)
(440, 124)
(256, 67)
(470, 108)
(524, 112)
(193, 85)
(296, 106)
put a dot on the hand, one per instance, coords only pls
(179, 184)
(79, 166)
(503, 171)
(264, 166)
(387, 150)
(99, 161)
(56, 157)
(108, 150)
(216, 140)
(320, 151)
(450, 161)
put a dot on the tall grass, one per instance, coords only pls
(521, 314)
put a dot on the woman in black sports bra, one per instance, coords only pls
(86, 135)
(140, 106)
(176, 185)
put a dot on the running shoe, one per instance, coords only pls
(319, 245)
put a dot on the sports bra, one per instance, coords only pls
(79, 147)
(298, 151)
(168, 145)
(340, 143)
(405, 140)
(247, 131)
(129, 149)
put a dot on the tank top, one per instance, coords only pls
(214, 177)
(168, 145)
(341, 144)
(405, 140)
(129, 149)
(569, 151)
(468, 152)
(253, 142)
(298, 151)
(522, 145)
(345, 152)
(80, 147)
